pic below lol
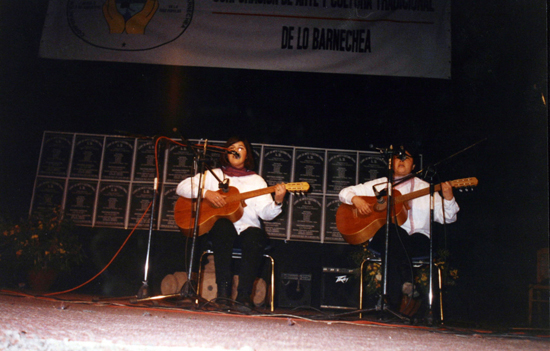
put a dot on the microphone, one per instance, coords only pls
(380, 204)
(224, 185)
(235, 154)
(402, 154)
(379, 197)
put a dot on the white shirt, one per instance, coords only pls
(418, 217)
(257, 207)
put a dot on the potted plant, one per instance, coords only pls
(372, 282)
(42, 246)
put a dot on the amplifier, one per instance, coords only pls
(340, 288)
(294, 290)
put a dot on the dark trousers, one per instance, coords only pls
(402, 247)
(252, 241)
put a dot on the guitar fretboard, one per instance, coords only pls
(459, 183)
(249, 194)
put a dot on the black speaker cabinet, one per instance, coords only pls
(340, 288)
(294, 290)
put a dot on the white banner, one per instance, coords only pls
(376, 37)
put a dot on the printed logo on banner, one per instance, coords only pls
(129, 25)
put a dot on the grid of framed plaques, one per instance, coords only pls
(107, 181)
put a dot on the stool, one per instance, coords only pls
(237, 254)
(416, 262)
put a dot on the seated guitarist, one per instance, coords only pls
(411, 239)
(237, 167)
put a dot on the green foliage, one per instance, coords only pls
(46, 240)
(372, 271)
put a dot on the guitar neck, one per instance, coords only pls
(415, 194)
(457, 183)
(249, 194)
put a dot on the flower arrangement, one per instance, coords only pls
(372, 278)
(44, 241)
(449, 275)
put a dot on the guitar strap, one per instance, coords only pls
(409, 208)
(203, 181)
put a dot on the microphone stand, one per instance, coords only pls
(429, 317)
(188, 290)
(390, 153)
(431, 221)
(428, 175)
(143, 292)
(389, 202)
(389, 208)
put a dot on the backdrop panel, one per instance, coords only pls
(107, 181)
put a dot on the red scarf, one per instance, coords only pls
(234, 172)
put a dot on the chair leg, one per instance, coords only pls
(361, 288)
(440, 282)
(272, 302)
(199, 278)
(272, 289)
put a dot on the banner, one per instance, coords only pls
(371, 37)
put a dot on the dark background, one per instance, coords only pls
(496, 97)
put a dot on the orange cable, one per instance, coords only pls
(133, 230)
(111, 261)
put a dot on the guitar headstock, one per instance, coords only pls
(297, 188)
(465, 183)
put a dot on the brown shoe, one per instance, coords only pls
(409, 306)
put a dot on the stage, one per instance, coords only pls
(81, 322)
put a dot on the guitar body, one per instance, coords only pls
(184, 213)
(357, 229)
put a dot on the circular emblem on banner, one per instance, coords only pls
(129, 25)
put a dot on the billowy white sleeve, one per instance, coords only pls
(189, 187)
(265, 206)
(451, 209)
(364, 189)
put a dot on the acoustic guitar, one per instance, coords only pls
(357, 228)
(184, 212)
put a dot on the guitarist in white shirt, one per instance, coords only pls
(411, 239)
(246, 232)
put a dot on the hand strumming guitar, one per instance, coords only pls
(217, 199)
(362, 206)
